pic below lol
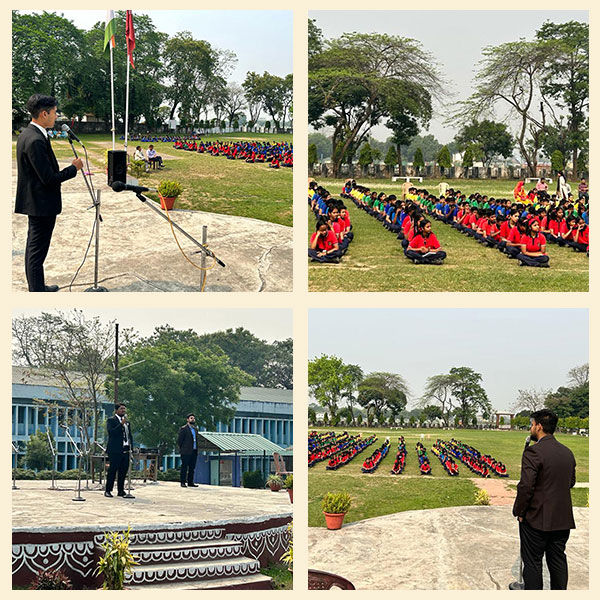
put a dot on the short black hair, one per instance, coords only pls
(39, 102)
(119, 404)
(190, 415)
(546, 418)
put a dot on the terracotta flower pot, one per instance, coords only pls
(274, 487)
(291, 495)
(166, 203)
(334, 520)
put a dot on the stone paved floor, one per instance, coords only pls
(35, 506)
(473, 547)
(138, 252)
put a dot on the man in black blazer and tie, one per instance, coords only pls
(187, 440)
(118, 447)
(38, 187)
(543, 503)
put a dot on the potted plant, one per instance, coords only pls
(274, 482)
(117, 560)
(288, 484)
(287, 557)
(335, 505)
(168, 191)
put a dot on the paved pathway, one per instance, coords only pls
(138, 251)
(472, 547)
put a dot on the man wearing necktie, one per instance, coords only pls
(187, 440)
(118, 448)
(38, 187)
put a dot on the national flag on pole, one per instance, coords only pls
(110, 29)
(130, 37)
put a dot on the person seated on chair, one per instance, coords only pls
(153, 157)
(139, 155)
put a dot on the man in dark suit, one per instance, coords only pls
(38, 187)
(187, 440)
(118, 447)
(543, 503)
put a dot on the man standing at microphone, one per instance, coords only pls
(543, 503)
(119, 445)
(38, 187)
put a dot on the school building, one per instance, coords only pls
(264, 412)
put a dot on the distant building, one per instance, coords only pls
(264, 411)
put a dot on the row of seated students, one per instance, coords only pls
(480, 464)
(279, 154)
(349, 452)
(424, 464)
(333, 229)
(370, 465)
(445, 459)
(400, 460)
(406, 219)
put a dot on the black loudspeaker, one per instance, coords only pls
(117, 166)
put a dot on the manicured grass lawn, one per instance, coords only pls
(210, 184)
(382, 493)
(375, 260)
(283, 578)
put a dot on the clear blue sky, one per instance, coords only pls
(267, 324)
(512, 348)
(455, 38)
(261, 39)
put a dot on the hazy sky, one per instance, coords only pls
(512, 348)
(455, 39)
(267, 324)
(262, 40)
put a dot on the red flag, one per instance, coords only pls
(130, 37)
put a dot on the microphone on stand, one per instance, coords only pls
(71, 133)
(119, 186)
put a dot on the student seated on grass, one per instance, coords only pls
(324, 245)
(424, 248)
(533, 247)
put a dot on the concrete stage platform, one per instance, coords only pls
(190, 538)
(139, 254)
(458, 548)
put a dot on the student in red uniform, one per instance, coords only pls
(505, 228)
(533, 247)
(558, 227)
(324, 246)
(424, 248)
(513, 241)
(581, 237)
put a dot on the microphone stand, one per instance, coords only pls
(97, 220)
(158, 211)
(103, 450)
(15, 450)
(129, 494)
(78, 498)
(52, 449)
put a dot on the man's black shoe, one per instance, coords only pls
(192, 485)
(108, 494)
(121, 494)
(51, 288)
(183, 485)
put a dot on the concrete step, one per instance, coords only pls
(250, 582)
(175, 537)
(189, 571)
(186, 552)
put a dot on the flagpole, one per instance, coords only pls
(112, 95)
(127, 104)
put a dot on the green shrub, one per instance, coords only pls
(46, 474)
(482, 498)
(288, 484)
(169, 189)
(274, 480)
(336, 503)
(253, 480)
(52, 579)
(24, 474)
(71, 474)
(117, 560)
(168, 475)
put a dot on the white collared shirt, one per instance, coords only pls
(41, 129)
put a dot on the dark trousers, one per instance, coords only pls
(534, 261)
(39, 235)
(188, 465)
(314, 255)
(119, 464)
(534, 544)
(426, 260)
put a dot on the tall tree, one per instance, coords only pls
(580, 375)
(530, 400)
(492, 139)
(358, 80)
(470, 397)
(380, 392)
(330, 381)
(443, 159)
(566, 78)
(253, 97)
(235, 102)
(438, 389)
